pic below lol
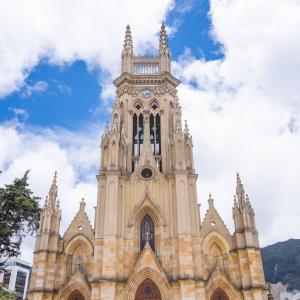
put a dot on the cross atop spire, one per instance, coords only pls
(163, 43)
(82, 205)
(210, 201)
(128, 45)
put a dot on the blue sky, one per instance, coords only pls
(69, 95)
(238, 63)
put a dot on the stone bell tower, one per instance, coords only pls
(146, 179)
(148, 241)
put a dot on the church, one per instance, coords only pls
(148, 240)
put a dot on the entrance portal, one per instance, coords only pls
(147, 290)
(219, 294)
(76, 295)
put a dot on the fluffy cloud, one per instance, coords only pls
(244, 110)
(73, 154)
(63, 31)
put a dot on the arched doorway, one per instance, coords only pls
(147, 290)
(219, 294)
(76, 295)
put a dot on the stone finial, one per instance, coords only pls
(186, 128)
(240, 192)
(163, 43)
(210, 201)
(128, 45)
(52, 196)
(82, 204)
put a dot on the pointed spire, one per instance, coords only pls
(210, 201)
(240, 192)
(163, 43)
(53, 192)
(128, 45)
(82, 204)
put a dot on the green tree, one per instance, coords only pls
(19, 215)
(6, 295)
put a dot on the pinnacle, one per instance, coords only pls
(82, 204)
(128, 47)
(186, 127)
(210, 201)
(238, 179)
(163, 45)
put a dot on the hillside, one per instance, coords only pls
(282, 263)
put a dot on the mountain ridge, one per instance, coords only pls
(281, 262)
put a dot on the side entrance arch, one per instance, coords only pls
(147, 290)
(76, 295)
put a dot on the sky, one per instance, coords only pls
(238, 63)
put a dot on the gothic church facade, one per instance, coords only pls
(148, 240)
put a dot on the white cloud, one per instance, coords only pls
(19, 112)
(75, 156)
(63, 31)
(243, 111)
(38, 87)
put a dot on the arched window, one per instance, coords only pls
(155, 134)
(219, 294)
(147, 233)
(138, 138)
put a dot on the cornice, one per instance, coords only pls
(146, 79)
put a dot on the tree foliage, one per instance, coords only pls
(19, 215)
(5, 294)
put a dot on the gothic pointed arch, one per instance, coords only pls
(215, 251)
(147, 290)
(77, 282)
(147, 206)
(148, 273)
(137, 105)
(219, 281)
(154, 106)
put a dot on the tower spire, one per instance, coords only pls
(163, 43)
(128, 45)
(52, 196)
(127, 52)
(164, 52)
(240, 192)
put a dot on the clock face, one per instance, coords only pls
(145, 93)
